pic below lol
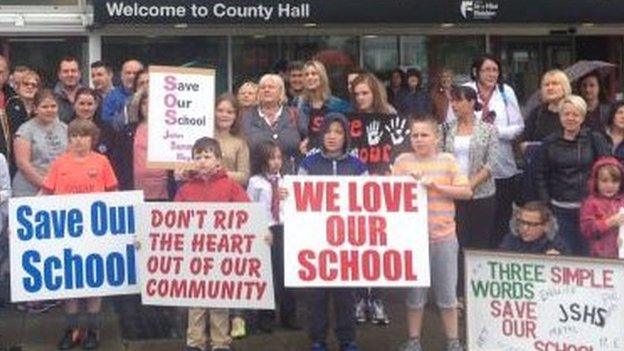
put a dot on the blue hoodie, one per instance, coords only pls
(321, 164)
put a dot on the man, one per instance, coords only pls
(295, 83)
(68, 84)
(113, 110)
(102, 78)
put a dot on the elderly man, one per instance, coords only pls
(114, 106)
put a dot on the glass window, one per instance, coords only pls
(43, 54)
(256, 55)
(205, 52)
(381, 55)
(414, 54)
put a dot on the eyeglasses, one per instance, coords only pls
(530, 224)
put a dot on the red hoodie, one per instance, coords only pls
(597, 209)
(217, 188)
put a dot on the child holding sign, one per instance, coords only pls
(81, 170)
(209, 182)
(440, 174)
(333, 159)
(600, 214)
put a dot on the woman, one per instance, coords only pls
(247, 96)
(591, 89)
(614, 131)
(441, 96)
(38, 142)
(416, 100)
(272, 120)
(397, 88)
(473, 142)
(86, 106)
(499, 107)
(368, 97)
(19, 109)
(544, 119)
(563, 166)
(317, 102)
(155, 183)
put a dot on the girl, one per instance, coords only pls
(439, 173)
(228, 132)
(600, 214)
(79, 171)
(266, 187)
(87, 105)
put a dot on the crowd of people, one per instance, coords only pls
(559, 167)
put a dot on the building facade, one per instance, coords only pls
(243, 39)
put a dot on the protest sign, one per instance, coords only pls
(73, 246)
(355, 231)
(205, 255)
(181, 110)
(521, 302)
(621, 238)
(378, 138)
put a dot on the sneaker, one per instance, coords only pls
(350, 346)
(413, 344)
(378, 312)
(70, 339)
(90, 342)
(238, 328)
(222, 348)
(454, 345)
(318, 346)
(360, 311)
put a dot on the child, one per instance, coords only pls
(439, 173)
(80, 170)
(266, 187)
(333, 160)
(209, 183)
(600, 212)
(533, 229)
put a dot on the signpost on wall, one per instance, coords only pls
(518, 302)
(181, 110)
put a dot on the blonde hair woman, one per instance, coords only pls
(318, 101)
(544, 119)
(563, 167)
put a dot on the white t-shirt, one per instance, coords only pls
(461, 151)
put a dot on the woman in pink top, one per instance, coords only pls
(153, 182)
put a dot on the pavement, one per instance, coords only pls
(21, 331)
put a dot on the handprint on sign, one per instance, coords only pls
(374, 133)
(397, 130)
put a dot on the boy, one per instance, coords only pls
(209, 182)
(333, 159)
(440, 174)
(534, 230)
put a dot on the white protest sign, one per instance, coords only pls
(181, 110)
(73, 246)
(205, 255)
(518, 302)
(621, 238)
(355, 231)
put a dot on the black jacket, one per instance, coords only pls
(563, 166)
(16, 115)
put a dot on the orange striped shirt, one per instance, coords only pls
(442, 169)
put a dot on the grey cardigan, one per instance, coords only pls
(482, 151)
